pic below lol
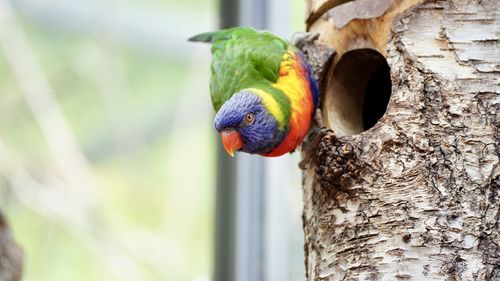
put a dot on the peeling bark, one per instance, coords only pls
(417, 195)
(11, 255)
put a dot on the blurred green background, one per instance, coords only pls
(107, 149)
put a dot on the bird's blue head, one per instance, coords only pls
(246, 125)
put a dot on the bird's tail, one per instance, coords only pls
(206, 37)
(211, 37)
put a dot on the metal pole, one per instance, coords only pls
(225, 215)
(252, 206)
(239, 222)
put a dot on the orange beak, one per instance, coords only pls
(232, 141)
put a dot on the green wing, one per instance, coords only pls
(242, 58)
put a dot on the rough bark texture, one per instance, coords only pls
(416, 196)
(11, 256)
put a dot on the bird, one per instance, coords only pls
(262, 90)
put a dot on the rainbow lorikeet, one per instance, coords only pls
(262, 89)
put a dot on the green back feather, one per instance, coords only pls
(244, 58)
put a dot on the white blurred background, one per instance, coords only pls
(107, 149)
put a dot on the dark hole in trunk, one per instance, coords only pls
(360, 91)
(377, 95)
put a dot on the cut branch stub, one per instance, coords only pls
(337, 165)
(360, 9)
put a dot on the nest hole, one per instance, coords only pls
(359, 92)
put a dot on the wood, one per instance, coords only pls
(11, 256)
(372, 33)
(416, 196)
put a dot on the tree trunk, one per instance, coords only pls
(404, 182)
(11, 255)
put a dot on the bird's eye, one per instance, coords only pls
(249, 118)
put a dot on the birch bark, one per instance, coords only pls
(416, 196)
